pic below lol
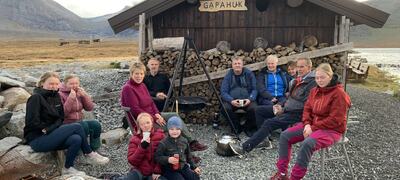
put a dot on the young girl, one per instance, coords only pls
(174, 155)
(142, 147)
(75, 100)
(44, 130)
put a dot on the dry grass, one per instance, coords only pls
(15, 54)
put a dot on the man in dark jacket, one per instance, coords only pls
(238, 91)
(292, 111)
(157, 83)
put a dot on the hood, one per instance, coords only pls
(45, 92)
(63, 88)
(332, 85)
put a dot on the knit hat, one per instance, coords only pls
(174, 121)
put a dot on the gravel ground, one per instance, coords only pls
(373, 148)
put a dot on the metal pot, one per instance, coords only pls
(224, 144)
(191, 103)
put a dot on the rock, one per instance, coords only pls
(30, 81)
(260, 42)
(20, 107)
(8, 82)
(124, 65)
(15, 127)
(29, 89)
(1, 101)
(114, 136)
(14, 96)
(8, 75)
(74, 177)
(8, 143)
(5, 118)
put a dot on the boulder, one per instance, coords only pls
(8, 82)
(20, 107)
(30, 81)
(5, 117)
(14, 96)
(74, 177)
(15, 127)
(112, 137)
(8, 143)
(1, 101)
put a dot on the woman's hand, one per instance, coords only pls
(307, 131)
(155, 176)
(173, 160)
(72, 94)
(160, 120)
(197, 170)
(81, 92)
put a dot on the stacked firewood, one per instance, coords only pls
(217, 61)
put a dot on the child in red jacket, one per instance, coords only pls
(142, 147)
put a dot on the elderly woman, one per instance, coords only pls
(135, 95)
(75, 100)
(323, 123)
(142, 147)
(44, 130)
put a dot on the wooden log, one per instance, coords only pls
(223, 46)
(310, 41)
(294, 3)
(161, 44)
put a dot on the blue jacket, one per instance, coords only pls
(267, 92)
(230, 90)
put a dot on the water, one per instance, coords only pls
(387, 59)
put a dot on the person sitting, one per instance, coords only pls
(289, 114)
(75, 99)
(272, 87)
(141, 149)
(291, 69)
(323, 124)
(157, 83)
(135, 95)
(44, 130)
(173, 154)
(238, 91)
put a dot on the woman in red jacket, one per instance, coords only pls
(141, 150)
(323, 123)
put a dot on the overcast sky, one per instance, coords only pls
(94, 8)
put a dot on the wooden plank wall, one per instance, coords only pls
(280, 24)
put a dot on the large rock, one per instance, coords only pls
(30, 81)
(14, 96)
(74, 177)
(1, 101)
(20, 107)
(8, 143)
(15, 127)
(112, 137)
(5, 118)
(8, 82)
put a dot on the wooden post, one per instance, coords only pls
(336, 31)
(150, 36)
(347, 30)
(344, 38)
(342, 29)
(142, 33)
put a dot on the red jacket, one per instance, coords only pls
(73, 106)
(143, 159)
(326, 108)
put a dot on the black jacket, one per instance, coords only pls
(170, 146)
(157, 83)
(44, 110)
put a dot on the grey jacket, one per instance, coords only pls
(299, 94)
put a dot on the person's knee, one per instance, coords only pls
(95, 126)
(75, 140)
(308, 144)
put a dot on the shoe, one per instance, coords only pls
(237, 149)
(72, 171)
(96, 159)
(279, 176)
(266, 144)
(196, 159)
(196, 146)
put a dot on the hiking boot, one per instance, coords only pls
(96, 159)
(266, 144)
(72, 171)
(196, 159)
(279, 176)
(196, 146)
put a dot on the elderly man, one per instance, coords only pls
(238, 91)
(157, 83)
(292, 111)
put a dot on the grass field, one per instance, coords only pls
(14, 54)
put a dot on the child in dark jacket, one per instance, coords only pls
(173, 153)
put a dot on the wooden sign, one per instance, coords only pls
(222, 5)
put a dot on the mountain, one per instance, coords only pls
(47, 18)
(388, 35)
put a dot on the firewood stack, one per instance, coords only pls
(217, 61)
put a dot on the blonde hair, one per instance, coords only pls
(308, 60)
(137, 66)
(70, 76)
(326, 68)
(46, 76)
(142, 115)
(291, 64)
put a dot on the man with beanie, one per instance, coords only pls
(173, 154)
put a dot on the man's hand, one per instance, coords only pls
(307, 131)
(160, 120)
(161, 95)
(274, 100)
(246, 102)
(277, 109)
(235, 103)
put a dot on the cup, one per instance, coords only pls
(146, 134)
(241, 102)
